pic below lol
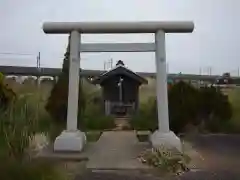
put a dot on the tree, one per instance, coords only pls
(215, 109)
(58, 100)
(7, 95)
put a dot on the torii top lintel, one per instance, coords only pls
(118, 27)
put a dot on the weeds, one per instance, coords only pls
(170, 160)
(18, 126)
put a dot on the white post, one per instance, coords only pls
(161, 74)
(163, 136)
(55, 78)
(73, 85)
(72, 139)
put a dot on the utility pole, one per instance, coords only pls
(38, 82)
(199, 81)
(105, 65)
(108, 64)
(39, 68)
(111, 63)
(238, 71)
(210, 71)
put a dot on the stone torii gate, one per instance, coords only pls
(73, 139)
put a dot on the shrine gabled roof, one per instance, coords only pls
(119, 69)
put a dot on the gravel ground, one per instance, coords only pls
(199, 175)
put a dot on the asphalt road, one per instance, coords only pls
(221, 152)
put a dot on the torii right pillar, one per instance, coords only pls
(163, 136)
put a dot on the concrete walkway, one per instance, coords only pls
(116, 150)
(221, 158)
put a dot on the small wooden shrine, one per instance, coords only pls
(120, 90)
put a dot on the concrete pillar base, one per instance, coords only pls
(70, 141)
(168, 140)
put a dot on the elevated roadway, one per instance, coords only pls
(33, 71)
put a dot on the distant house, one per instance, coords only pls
(226, 83)
(120, 90)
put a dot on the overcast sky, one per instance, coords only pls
(214, 42)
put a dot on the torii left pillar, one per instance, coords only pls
(72, 139)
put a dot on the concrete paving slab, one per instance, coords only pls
(117, 150)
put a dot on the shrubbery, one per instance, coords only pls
(234, 124)
(188, 105)
(146, 117)
(183, 105)
(215, 109)
(18, 126)
(93, 116)
(95, 119)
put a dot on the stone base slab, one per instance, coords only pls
(168, 140)
(71, 141)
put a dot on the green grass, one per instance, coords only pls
(93, 136)
(31, 170)
(234, 98)
(143, 136)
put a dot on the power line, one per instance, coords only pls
(17, 54)
(54, 57)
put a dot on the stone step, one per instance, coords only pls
(121, 123)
